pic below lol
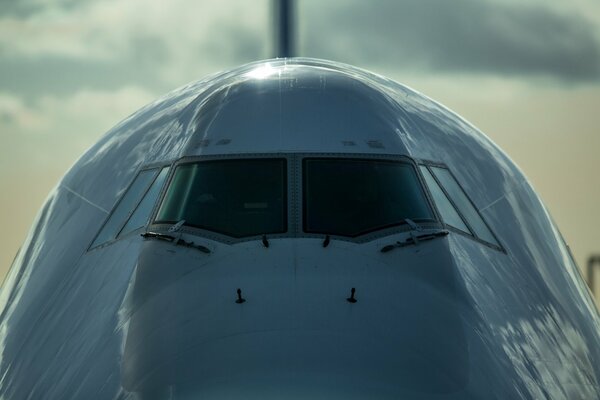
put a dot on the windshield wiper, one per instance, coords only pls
(415, 239)
(176, 241)
(164, 236)
(413, 225)
(181, 242)
(158, 235)
(417, 235)
(177, 226)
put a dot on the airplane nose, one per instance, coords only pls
(271, 322)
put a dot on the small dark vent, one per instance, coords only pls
(202, 143)
(375, 144)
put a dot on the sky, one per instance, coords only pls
(525, 72)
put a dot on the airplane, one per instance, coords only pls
(296, 228)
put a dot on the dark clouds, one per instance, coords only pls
(470, 36)
(482, 37)
(157, 58)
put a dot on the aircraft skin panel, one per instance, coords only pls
(448, 318)
(189, 122)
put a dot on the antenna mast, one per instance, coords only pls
(284, 28)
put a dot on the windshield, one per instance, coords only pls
(237, 198)
(351, 197)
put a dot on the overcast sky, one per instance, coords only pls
(526, 72)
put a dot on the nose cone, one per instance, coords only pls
(296, 333)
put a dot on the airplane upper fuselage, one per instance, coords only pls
(382, 247)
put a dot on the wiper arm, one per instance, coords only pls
(158, 235)
(413, 225)
(164, 236)
(416, 238)
(181, 242)
(177, 226)
(174, 240)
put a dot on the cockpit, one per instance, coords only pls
(349, 197)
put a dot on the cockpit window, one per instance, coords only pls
(140, 216)
(125, 206)
(237, 198)
(455, 208)
(449, 214)
(350, 197)
(464, 205)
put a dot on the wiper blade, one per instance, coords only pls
(173, 239)
(164, 236)
(181, 242)
(158, 235)
(416, 238)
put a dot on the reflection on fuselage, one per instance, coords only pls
(302, 186)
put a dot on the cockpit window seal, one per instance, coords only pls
(429, 164)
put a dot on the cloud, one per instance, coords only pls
(24, 8)
(58, 47)
(55, 131)
(84, 113)
(460, 36)
(33, 77)
(163, 45)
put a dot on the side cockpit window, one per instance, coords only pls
(455, 208)
(447, 211)
(140, 216)
(133, 210)
(352, 197)
(237, 198)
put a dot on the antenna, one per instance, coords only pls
(284, 28)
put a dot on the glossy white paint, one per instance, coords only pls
(449, 318)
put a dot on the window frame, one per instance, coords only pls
(290, 203)
(386, 230)
(120, 234)
(295, 195)
(154, 166)
(441, 217)
(472, 235)
(295, 188)
(168, 181)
